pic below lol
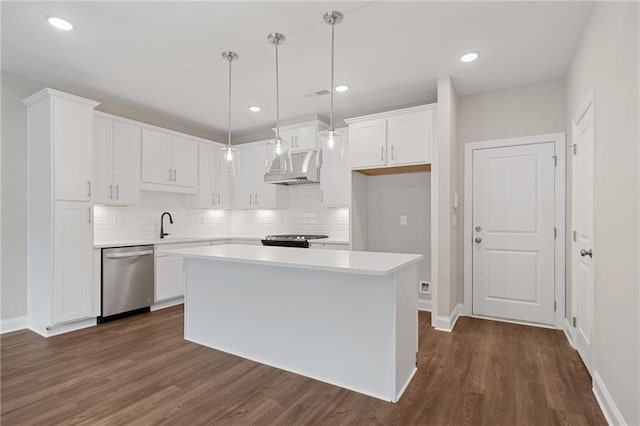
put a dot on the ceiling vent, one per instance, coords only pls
(316, 94)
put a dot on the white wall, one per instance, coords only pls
(607, 61)
(14, 194)
(530, 109)
(445, 176)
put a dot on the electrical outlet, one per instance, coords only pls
(403, 220)
(425, 287)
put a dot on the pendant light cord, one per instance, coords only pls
(277, 99)
(331, 88)
(229, 122)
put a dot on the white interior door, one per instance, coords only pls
(513, 232)
(582, 262)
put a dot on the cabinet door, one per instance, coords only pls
(103, 160)
(72, 140)
(242, 182)
(368, 143)
(300, 138)
(265, 195)
(185, 162)
(73, 249)
(126, 163)
(409, 138)
(223, 192)
(156, 157)
(170, 277)
(207, 196)
(334, 186)
(306, 137)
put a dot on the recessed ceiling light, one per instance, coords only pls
(60, 23)
(469, 57)
(255, 108)
(342, 88)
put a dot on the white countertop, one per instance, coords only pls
(357, 262)
(191, 239)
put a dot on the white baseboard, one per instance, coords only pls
(63, 328)
(443, 323)
(424, 305)
(568, 331)
(167, 304)
(13, 324)
(609, 408)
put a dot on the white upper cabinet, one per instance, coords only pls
(72, 133)
(335, 182)
(395, 138)
(185, 162)
(116, 161)
(169, 162)
(157, 166)
(368, 143)
(213, 190)
(302, 136)
(249, 189)
(410, 137)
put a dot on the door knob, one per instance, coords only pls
(584, 253)
(478, 240)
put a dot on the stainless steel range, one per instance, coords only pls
(291, 240)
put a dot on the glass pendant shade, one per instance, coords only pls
(278, 157)
(333, 147)
(227, 160)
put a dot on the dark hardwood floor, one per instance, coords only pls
(141, 371)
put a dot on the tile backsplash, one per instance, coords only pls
(142, 221)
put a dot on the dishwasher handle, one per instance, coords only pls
(129, 254)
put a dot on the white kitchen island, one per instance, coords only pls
(343, 317)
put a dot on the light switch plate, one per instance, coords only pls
(403, 220)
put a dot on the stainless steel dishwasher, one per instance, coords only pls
(127, 281)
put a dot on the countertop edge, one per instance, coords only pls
(417, 258)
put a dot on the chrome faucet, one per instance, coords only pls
(162, 233)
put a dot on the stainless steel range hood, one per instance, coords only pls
(306, 169)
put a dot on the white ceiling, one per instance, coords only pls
(163, 58)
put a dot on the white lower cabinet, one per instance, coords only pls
(170, 277)
(73, 262)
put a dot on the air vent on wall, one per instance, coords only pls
(316, 94)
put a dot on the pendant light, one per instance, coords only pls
(332, 141)
(278, 153)
(227, 156)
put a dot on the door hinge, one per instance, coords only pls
(555, 161)
(574, 148)
(555, 306)
(555, 233)
(575, 236)
(574, 321)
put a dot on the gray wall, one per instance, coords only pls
(14, 194)
(392, 196)
(527, 110)
(607, 62)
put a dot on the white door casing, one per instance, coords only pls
(514, 193)
(582, 219)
